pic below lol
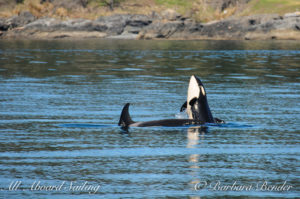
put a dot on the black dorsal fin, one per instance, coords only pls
(125, 119)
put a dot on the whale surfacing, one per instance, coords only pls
(126, 121)
(196, 105)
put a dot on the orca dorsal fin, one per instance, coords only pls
(125, 119)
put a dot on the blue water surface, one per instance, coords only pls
(61, 101)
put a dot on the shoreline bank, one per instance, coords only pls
(168, 25)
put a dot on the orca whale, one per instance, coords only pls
(196, 105)
(126, 121)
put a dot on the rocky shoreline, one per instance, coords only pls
(167, 25)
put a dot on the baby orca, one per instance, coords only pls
(196, 105)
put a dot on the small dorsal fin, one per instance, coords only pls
(125, 119)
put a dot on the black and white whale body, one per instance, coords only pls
(196, 105)
(126, 121)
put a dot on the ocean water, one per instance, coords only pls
(61, 101)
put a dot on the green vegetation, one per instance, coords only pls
(272, 6)
(201, 10)
(111, 4)
(178, 3)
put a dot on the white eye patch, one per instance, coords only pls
(203, 90)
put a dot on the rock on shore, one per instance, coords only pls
(167, 25)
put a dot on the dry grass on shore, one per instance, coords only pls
(200, 10)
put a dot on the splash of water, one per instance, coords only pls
(181, 115)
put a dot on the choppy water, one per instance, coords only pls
(61, 100)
